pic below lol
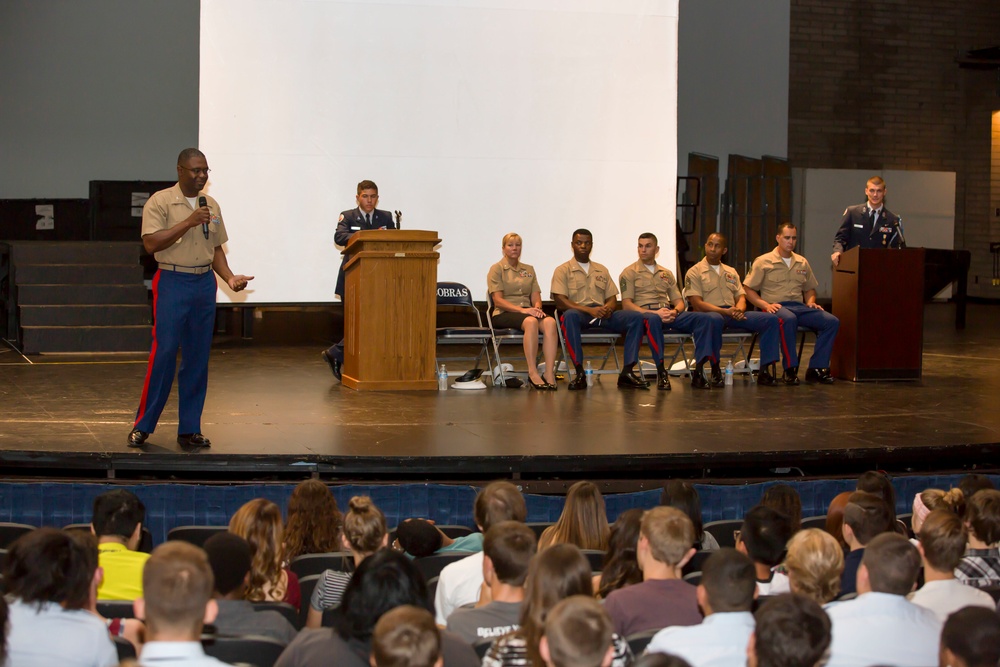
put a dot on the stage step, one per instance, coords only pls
(74, 252)
(79, 274)
(94, 315)
(36, 340)
(70, 295)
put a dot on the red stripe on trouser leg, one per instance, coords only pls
(784, 343)
(152, 354)
(572, 357)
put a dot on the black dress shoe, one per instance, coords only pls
(791, 376)
(821, 375)
(718, 380)
(579, 382)
(334, 364)
(631, 381)
(765, 377)
(663, 382)
(193, 440)
(137, 438)
(698, 381)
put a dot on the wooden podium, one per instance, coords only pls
(878, 295)
(389, 310)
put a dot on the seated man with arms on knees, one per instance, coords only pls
(117, 522)
(651, 290)
(586, 297)
(782, 283)
(715, 288)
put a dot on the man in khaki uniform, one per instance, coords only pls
(651, 290)
(182, 227)
(714, 288)
(586, 297)
(782, 282)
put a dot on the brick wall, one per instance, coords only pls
(877, 86)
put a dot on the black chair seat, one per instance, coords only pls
(196, 535)
(245, 650)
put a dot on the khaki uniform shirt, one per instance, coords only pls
(169, 207)
(649, 289)
(722, 289)
(776, 282)
(517, 284)
(586, 289)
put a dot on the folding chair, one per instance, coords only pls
(505, 337)
(456, 298)
(593, 337)
(740, 353)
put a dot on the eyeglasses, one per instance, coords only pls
(198, 171)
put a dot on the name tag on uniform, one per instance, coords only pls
(354, 229)
(859, 226)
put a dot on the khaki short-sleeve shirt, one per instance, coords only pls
(776, 282)
(169, 207)
(722, 289)
(586, 289)
(656, 289)
(517, 284)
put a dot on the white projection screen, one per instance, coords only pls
(474, 118)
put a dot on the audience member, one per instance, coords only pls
(177, 602)
(49, 578)
(971, 638)
(835, 518)
(620, 567)
(663, 599)
(583, 522)
(882, 627)
(974, 482)
(230, 558)
(384, 581)
(929, 500)
(792, 631)
(878, 484)
(461, 583)
(555, 574)
(682, 495)
(785, 499)
(507, 551)
(363, 534)
(117, 522)
(420, 538)
(763, 537)
(406, 637)
(865, 516)
(577, 633)
(980, 567)
(814, 563)
(258, 522)
(314, 521)
(726, 594)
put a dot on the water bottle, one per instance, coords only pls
(588, 371)
(442, 378)
(729, 373)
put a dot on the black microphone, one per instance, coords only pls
(204, 226)
(899, 230)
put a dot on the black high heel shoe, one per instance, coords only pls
(543, 386)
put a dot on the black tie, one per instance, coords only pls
(368, 219)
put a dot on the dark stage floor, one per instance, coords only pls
(277, 411)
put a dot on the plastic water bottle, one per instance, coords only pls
(729, 373)
(588, 371)
(442, 378)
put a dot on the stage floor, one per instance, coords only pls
(278, 411)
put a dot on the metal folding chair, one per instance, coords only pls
(456, 298)
(593, 337)
(503, 337)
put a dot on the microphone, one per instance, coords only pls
(202, 201)
(399, 220)
(899, 230)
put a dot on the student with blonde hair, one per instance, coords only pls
(814, 563)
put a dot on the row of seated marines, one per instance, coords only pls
(845, 597)
(780, 284)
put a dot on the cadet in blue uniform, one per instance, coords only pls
(651, 290)
(173, 230)
(869, 225)
(365, 216)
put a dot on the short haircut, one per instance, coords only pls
(973, 634)
(230, 557)
(815, 563)
(177, 584)
(578, 632)
(364, 525)
(785, 499)
(418, 537)
(792, 631)
(983, 515)
(974, 482)
(943, 537)
(499, 501)
(50, 565)
(867, 515)
(892, 563)
(765, 533)
(406, 637)
(187, 154)
(730, 580)
(875, 180)
(649, 235)
(510, 546)
(670, 533)
(117, 513)
(582, 232)
(723, 241)
(367, 185)
(789, 225)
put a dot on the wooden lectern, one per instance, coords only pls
(389, 310)
(878, 295)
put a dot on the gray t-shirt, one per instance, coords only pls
(485, 623)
